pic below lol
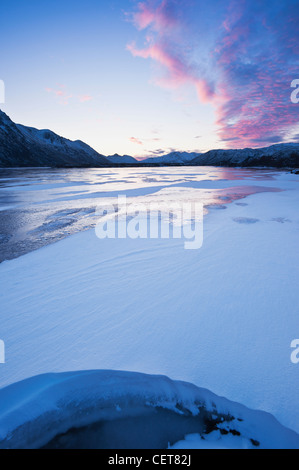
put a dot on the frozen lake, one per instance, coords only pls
(222, 317)
(39, 206)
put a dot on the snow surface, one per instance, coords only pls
(214, 440)
(35, 411)
(222, 317)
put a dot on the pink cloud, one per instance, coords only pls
(164, 42)
(134, 140)
(60, 93)
(85, 98)
(245, 70)
(253, 102)
(178, 72)
(64, 97)
(159, 18)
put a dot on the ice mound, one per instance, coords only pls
(108, 409)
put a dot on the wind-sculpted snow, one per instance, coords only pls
(88, 409)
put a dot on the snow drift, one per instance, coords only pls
(100, 409)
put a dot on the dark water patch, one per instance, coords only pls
(245, 220)
(153, 429)
(26, 230)
(54, 225)
(280, 220)
(215, 206)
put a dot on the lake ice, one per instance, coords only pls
(222, 317)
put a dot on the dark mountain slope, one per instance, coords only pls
(22, 146)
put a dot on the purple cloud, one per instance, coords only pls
(241, 56)
(165, 44)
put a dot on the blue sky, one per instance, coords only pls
(144, 78)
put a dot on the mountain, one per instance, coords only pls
(22, 146)
(279, 155)
(173, 158)
(122, 159)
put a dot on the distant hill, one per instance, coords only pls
(122, 159)
(278, 156)
(22, 146)
(173, 158)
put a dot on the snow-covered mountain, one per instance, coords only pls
(173, 158)
(279, 155)
(22, 146)
(121, 159)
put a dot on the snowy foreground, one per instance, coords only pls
(221, 317)
(110, 409)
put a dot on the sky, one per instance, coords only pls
(144, 78)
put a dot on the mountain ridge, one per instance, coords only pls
(22, 146)
(277, 155)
